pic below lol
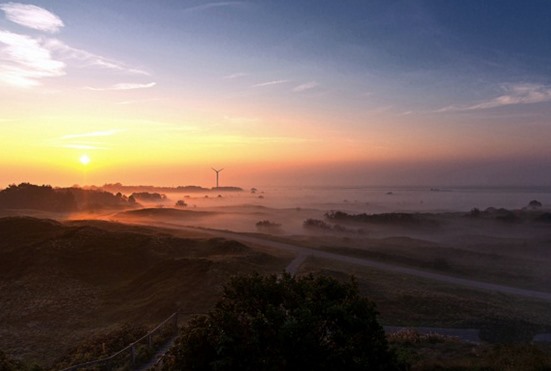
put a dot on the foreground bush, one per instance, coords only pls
(8, 364)
(285, 323)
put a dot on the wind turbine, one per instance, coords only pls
(217, 173)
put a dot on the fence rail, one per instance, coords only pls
(136, 353)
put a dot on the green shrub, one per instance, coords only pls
(285, 323)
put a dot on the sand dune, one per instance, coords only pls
(75, 279)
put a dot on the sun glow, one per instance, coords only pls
(84, 159)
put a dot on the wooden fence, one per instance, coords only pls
(137, 353)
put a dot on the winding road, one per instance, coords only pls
(302, 253)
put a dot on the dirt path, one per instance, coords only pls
(303, 252)
(466, 334)
(293, 267)
(157, 356)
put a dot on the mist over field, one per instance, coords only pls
(250, 185)
(482, 251)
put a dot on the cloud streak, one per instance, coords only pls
(138, 101)
(24, 60)
(90, 59)
(220, 4)
(307, 86)
(32, 16)
(125, 86)
(82, 146)
(104, 133)
(235, 76)
(513, 94)
(86, 141)
(238, 139)
(270, 83)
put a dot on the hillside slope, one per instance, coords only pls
(63, 282)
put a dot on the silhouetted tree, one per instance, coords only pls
(475, 212)
(316, 224)
(148, 196)
(285, 323)
(30, 196)
(267, 224)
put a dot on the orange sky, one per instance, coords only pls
(223, 85)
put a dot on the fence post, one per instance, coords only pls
(176, 323)
(132, 347)
(132, 355)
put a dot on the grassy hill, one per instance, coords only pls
(65, 282)
(76, 289)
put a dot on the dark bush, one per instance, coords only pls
(180, 203)
(385, 218)
(266, 224)
(475, 212)
(149, 197)
(505, 331)
(285, 323)
(316, 224)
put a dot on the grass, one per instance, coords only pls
(415, 302)
(409, 301)
(71, 281)
(519, 261)
(83, 279)
(436, 352)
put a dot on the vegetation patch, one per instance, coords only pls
(320, 225)
(403, 219)
(266, 225)
(277, 323)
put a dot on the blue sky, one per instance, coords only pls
(416, 85)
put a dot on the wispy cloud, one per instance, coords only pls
(24, 60)
(237, 139)
(32, 16)
(138, 101)
(90, 59)
(306, 86)
(125, 86)
(235, 76)
(82, 146)
(94, 140)
(270, 83)
(513, 94)
(219, 4)
(104, 133)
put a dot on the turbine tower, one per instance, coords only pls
(217, 174)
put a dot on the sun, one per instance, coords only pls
(84, 159)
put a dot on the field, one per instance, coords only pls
(81, 279)
(64, 282)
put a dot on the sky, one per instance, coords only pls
(313, 92)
